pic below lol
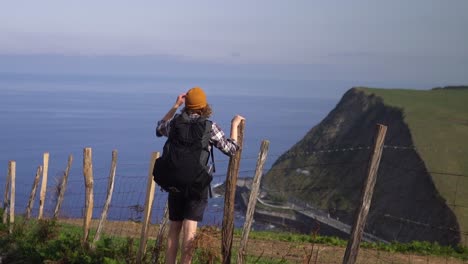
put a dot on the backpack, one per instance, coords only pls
(182, 167)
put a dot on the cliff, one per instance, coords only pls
(327, 167)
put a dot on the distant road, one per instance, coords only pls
(307, 211)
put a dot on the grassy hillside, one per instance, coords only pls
(438, 121)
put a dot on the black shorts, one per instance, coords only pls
(182, 207)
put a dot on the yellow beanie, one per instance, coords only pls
(195, 98)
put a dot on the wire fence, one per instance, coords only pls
(409, 202)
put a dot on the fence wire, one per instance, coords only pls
(302, 203)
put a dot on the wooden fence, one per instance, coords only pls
(228, 216)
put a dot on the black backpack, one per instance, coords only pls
(183, 166)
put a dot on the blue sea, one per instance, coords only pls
(64, 114)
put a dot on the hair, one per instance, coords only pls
(204, 112)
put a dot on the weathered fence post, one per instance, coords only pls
(229, 197)
(45, 168)
(32, 195)
(160, 237)
(12, 176)
(150, 186)
(6, 199)
(110, 190)
(89, 182)
(63, 186)
(262, 155)
(362, 211)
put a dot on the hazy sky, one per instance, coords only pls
(381, 38)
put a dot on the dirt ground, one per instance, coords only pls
(209, 242)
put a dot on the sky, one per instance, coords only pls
(368, 40)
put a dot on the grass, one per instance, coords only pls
(417, 247)
(294, 237)
(46, 240)
(438, 121)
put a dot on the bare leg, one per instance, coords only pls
(173, 241)
(190, 230)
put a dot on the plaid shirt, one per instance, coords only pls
(226, 145)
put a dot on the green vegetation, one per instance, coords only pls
(438, 120)
(421, 247)
(47, 241)
(415, 247)
(294, 237)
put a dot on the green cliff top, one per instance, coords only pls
(438, 121)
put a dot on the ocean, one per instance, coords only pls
(64, 114)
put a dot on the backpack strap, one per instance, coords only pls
(210, 191)
(212, 159)
(213, 169)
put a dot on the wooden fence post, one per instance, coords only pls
(12, 176)
(45, 168)
(229, 197)
(262, 155)
(150, 186)
(32, 195)
(6, 199)
(89, 182)
(361, 213)
(110, 190)
(63, 186)
(160, 237)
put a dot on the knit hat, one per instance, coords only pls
(195, 98)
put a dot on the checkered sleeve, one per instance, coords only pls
(226, 145)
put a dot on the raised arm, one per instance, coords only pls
(228, 146)
(162, 127)
(170, 114)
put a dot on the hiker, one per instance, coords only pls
(185, 210)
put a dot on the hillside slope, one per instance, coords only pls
(418, 195)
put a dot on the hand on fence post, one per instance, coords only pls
(229, 197)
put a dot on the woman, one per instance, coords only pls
(185, 212)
